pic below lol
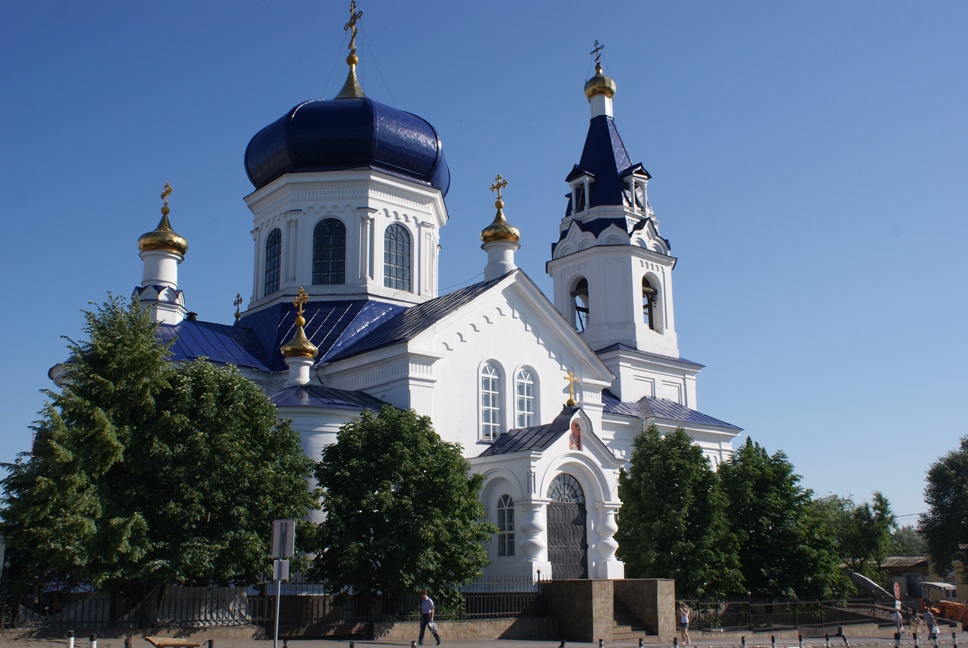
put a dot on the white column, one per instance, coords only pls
(534, 527)
(608, 565)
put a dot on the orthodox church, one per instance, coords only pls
(544, 394)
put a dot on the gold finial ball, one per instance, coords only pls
(300, 320)
(165, 211)
(352, 59)
(499, 203)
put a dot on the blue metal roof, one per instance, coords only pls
(218, 342)
(338, 134)
(537, 438)
(325, 397)
(405, 325)
(605, 158)
(663, 408)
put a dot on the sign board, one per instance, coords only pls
(897, 590)
(280, 570)
(283, 538)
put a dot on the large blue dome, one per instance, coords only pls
(354, 133)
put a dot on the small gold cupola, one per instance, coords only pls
(299, 346)
(500, 239)
(500, 229)
(163, 237)
(351, 89)
(599, 89)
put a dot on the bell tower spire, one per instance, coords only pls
(612, 270)
(162, 250)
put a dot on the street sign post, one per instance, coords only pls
(283, 548)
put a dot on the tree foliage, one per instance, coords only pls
(945, 524)
(862, 532)
(672, 522)
(146, 471)
(785, 549)
(402, 513)
(907, 541)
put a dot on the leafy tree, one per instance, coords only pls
(945, 524)
(785, 549)
(862, 532)
(672, 523)
(907, 541)
(402, 513)
(146, 471)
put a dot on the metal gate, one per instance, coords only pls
(567, 541)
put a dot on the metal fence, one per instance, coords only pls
(763, 616)
(304, 608)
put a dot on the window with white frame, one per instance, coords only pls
(396, 257)
(505, 526)
(524, 401)
(273, 261)
(490, 402)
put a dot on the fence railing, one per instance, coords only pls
(751, 615)
(301, 605)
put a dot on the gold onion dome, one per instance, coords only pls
(163, 237)
(299, 346)
(599, 84)
(500, 229)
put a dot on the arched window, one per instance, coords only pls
(505, 526)
(490, 402)
(649, 296)
(273, 260)
(580, 295)
(565, 488)
(329, 252)
(396, 257)
(524, 403)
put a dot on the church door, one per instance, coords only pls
(567, 542)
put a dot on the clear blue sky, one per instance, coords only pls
(809, 164)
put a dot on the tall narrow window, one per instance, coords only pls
(273, 260)
(524, 398)
(505, 526)
(580, 295)
(329, 252)
(396, 257)
(490, 402)
(649, 295)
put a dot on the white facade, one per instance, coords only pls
(495, 365)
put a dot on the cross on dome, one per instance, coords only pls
(597, 52)
(351, 25)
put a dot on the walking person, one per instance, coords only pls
(898, 622)
(684, 622)
(929, 621)
(427, 618)
(916, 624)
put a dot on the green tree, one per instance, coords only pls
(402, 512)
(907, 541)
(672, 522)
(945, 524)
(146, 471)
(785, 549)
(862, 532)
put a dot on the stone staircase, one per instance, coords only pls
(627, 626)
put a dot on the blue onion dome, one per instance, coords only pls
(348, 133)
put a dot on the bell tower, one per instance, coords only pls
(611, 268)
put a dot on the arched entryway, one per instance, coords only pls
(567, 538)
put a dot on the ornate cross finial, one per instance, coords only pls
(570, 377)
(300, 299)
(499, 183)
(166, 193)
(351, 25)
(237, 303)
(597, 52)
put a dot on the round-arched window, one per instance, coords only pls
(566, 489)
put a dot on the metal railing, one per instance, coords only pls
(764, 616)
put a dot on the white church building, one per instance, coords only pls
(544, 394)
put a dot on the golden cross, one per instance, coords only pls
(499, 183)
(300, 299)
(351, 25)
(237, 303)
(570, 377)
(597, 52)
(166, 193)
